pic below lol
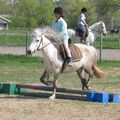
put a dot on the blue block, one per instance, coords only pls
(90, 95)
(101, 97)
(114, 97)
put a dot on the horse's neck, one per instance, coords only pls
(51, 58)
(48, 47)
(95, 27)
(50, 51)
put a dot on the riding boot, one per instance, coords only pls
(82, 40)
(69, 61)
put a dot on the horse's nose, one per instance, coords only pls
(29, 52)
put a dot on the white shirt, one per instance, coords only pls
(81, 19)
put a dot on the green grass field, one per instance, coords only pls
(27, 69)
(108, 43)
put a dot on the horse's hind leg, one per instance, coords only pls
(83, 80)
(90, 72)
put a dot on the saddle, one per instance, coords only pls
(80, 32)
(75, 52)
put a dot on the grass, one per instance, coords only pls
(108, 43)
(28, 69)
(19, 68)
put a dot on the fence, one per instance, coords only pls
(22, 38)
(15, 37)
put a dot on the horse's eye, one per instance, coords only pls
(37, 40)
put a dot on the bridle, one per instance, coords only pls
(41, 42)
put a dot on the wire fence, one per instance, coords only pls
(21, 37)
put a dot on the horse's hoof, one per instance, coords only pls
(52, 97)
(88, 87)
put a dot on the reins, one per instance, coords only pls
(42, 43)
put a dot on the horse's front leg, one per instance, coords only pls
(44, 78)
(54, 87)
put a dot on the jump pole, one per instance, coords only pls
(45, 88)
(94, 96)
(13, 88)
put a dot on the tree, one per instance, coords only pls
(108, 10)
(44, 12)
(33, 13)
(72, 10)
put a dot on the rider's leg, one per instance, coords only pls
(68, 51)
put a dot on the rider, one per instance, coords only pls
(60, 25)
(82, 26)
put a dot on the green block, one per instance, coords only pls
(19, 90)
(8, 88)
(1, 84)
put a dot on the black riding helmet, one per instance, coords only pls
(59, 10)
(83, 10)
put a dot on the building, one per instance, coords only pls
(4, 23)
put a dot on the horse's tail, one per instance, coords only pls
(97, 72)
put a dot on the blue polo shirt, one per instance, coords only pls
(61, 26)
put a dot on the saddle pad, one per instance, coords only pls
(75, 52)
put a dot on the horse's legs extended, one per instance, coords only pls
(54, 87)
(83, 80)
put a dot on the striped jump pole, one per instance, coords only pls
(46, 88)
(63, 93)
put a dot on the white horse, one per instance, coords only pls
(98, 27)
(48, 41)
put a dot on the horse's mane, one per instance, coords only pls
(51, 34)
(92, 27)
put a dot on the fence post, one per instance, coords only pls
(119, 37)
(26, 40)
(101, 42)
(5, 37)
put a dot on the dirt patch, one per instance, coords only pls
(32, 108)
(107, 54)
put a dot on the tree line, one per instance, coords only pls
(35, 13)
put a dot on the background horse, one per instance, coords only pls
(48, 41)
(98, 27)
(112, 31)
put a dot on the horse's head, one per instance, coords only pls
(103, 28)
(37, 41)
(99, 27)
